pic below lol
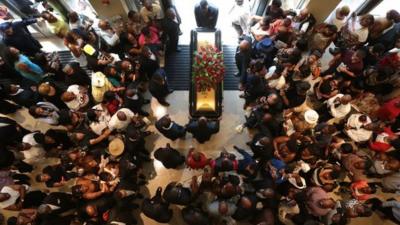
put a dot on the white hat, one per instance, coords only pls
(98, 79)
(311, 116)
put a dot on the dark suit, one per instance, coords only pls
(62, 200)
(195, 216)
(135, 102)
(22, 39)
(79, 76)
(123, 212)
(147, 67)
(9, 132)
(176, 131)
(159, 90)
(171, 34)
(264, 152)
(242, 59)
(157, 209)
(176, 194)
(202, 134)
(207, 20)
(169, 157)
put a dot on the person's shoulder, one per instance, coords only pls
(213, 8)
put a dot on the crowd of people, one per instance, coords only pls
(325, 139)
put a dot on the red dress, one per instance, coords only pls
(381, 146)
(389, 111)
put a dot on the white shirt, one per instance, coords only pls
(333, 20)
(98, 127)
(257, 31)
(356, 133)
(81, 100)
(240, 15)
(340, 111)
(156, 12)
(14, 195)
(116, 124)
(356, 28)
(110, 37)
(28, 138)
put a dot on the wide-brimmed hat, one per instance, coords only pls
(311, 116)
(116, 147)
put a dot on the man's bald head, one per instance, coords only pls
(304, 12)
(244, 45)
(265, 141)
(121, 116)
(170, 13)
(103, 24)
(245, 203)
(91, 210)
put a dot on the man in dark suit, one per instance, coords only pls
(57, 203)
(202, 129)
(134, 101)
(242, 59)
(262, 147)
(170, 27)
(206, 15)
(169, 128)
(169, 157)
(156, 208)
(16, 34)
(159, 88)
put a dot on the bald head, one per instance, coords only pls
(245, 203)
(170, 13)
(223, 208)
(244, 45)
(121, 116)
(91, 210)
(202, 121)
(130, 92)
(103, 24)
(304, 12)
(345, 99)
(265, 141)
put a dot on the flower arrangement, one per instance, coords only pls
(208, 68)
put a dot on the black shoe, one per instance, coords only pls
(237, 74)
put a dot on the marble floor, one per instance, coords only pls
(160, 176)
